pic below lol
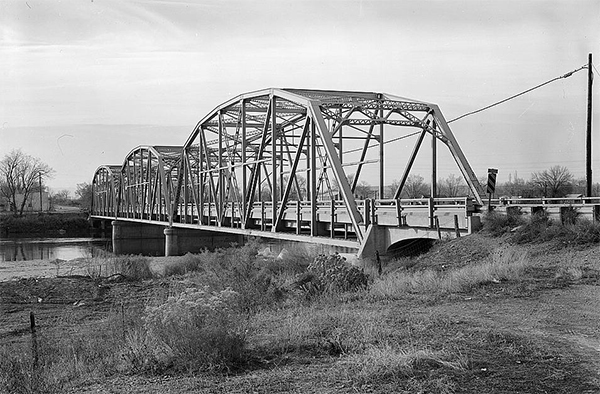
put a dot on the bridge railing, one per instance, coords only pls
(518, 201)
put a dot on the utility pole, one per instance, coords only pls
(588, 156)
(41, 204)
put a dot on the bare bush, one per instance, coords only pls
(197, 329)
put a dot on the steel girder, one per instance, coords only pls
(148, 187)
(105, 187)
(277, 145)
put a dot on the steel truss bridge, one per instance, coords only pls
(288, 164)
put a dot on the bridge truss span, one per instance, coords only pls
(287, 163)
(292, 150)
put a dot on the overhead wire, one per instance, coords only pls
(567, 75)
(564, 76)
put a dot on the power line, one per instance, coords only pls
(567, 75)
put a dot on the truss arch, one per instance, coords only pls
(105, 187)
(149, 177)
(284, 147)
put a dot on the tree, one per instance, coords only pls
(452, 186)
(414, 187)
(84, 195)
(554, 182)
(22, 175)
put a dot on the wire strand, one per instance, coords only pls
(567, 75)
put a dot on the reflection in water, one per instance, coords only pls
(23, 249)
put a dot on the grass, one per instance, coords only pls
(571, 230)
(234, 313)
(390, 363)
(504, 264)
(134, 268)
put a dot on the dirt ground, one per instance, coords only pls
(550, 307)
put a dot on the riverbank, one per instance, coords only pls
(45, 224)
(474, 315)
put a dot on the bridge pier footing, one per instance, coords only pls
(137, 238)
(179, 241)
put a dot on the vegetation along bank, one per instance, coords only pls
(510, 309)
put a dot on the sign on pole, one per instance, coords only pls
(491, 183)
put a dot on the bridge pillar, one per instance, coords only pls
(376, 239)
(137, 238)
(179, 241)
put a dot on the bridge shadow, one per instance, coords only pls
(410, 247)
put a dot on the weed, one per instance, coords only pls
(196, 330)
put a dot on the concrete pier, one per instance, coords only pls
(137, 238)
(179, 241)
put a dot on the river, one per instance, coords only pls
(25, 249)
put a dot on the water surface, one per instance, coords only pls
(24, 249)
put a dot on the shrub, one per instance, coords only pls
(197, 329)
(542, 229)
(496, 223)
(184, 265)
(332, 273)
(239, 269)
(133, 267)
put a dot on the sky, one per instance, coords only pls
(83, 82)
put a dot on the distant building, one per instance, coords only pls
(32, 204)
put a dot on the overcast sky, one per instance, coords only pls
(83, 82)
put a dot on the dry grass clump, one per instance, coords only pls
(318, 329)
(385, 362)
(132, 267)
(184, 265)
(505, 264)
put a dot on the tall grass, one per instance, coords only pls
(507, 263)
(132, 267)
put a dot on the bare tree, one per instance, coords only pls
(554, 182)
(452, 186)
(414, 187)
(20, 176)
